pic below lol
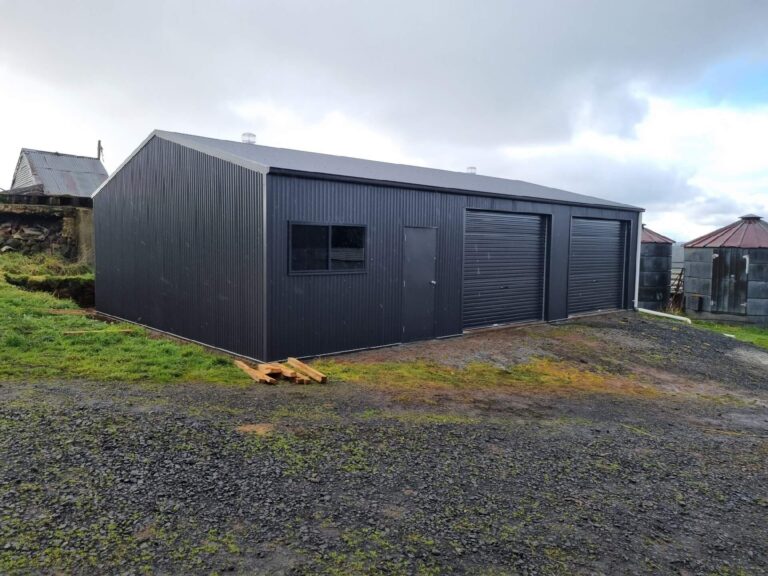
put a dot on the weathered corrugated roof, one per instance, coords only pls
(749, 231)
(59, 174)
(268, 159)
(651, 237)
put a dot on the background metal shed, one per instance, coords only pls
(194, 237)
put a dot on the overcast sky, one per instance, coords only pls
(657, 103)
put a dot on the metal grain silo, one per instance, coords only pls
(726, 271)
(655, 270)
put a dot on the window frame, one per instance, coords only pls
(326, 271)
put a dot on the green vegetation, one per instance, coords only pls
(757, 335)
(79, 288)
(538, 375)
(33, 343)
(41, 264)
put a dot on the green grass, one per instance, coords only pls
(757, 335)
(33, 344)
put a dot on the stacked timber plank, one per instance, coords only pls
(293, 370)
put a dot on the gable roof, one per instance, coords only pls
(59, 174)
(749, 231)
(267, 159)
(651, 237)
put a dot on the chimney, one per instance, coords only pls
(471, 169)
(249, 138)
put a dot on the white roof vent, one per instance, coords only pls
(249, 138)
(471, 169)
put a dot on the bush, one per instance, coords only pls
(79, 288)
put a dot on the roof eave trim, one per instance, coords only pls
(397, 184)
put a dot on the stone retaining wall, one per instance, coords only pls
(29, 229)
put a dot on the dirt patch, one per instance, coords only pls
(259, 429)
(619, 353)
(500, 348)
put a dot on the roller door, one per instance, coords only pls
(597, 268)
(504, 263)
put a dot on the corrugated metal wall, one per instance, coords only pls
(698, 279)
(315, 314)
(757, 304)
(701, 295)
(655, 275)
(179, 247)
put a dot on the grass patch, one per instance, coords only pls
(79, 288)
(757, 335)
(43, 264)
(33, 346)
(538, 375)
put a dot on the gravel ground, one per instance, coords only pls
(344, 479)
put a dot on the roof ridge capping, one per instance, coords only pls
(53, 153)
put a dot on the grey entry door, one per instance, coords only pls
(419, 254)
(729, 281)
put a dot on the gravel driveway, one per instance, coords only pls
(348, 479)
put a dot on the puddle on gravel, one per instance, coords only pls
(754, 357)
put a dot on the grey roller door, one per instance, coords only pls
(504, 262)
(596, 274)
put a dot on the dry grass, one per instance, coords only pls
(539, 376)
(262, 429)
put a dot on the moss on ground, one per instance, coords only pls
(538, 375)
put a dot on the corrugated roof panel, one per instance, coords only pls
(749, 231)
(651, 237)
(63, 174)
(265, 158)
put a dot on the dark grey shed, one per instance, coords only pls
(726, 271)
(268, 252)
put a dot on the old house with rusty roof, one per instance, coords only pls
(49, 206)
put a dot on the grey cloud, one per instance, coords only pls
(634, 182)
(488, 73)
(453, 81)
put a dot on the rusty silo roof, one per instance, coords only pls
(749, 231)
(651, 237)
